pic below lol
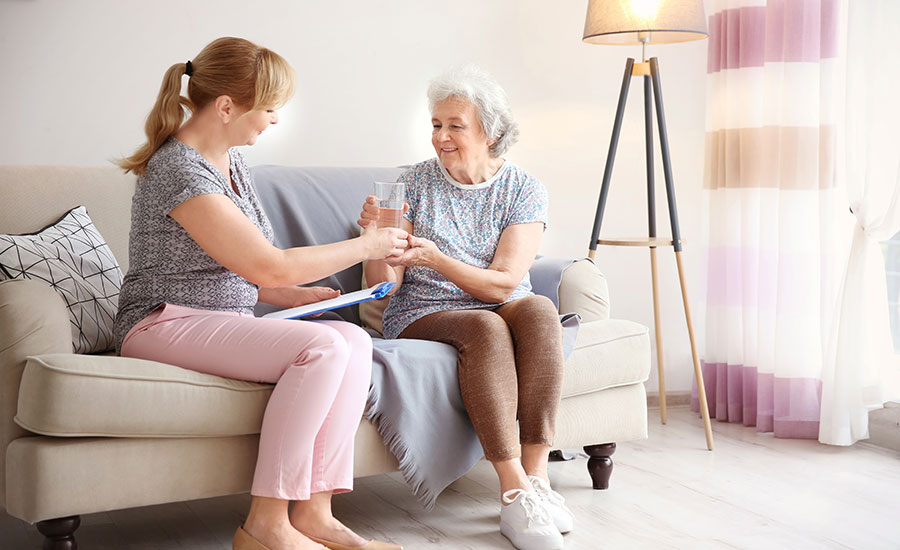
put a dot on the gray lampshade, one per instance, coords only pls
(627, 21)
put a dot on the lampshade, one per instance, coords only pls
(644, 21)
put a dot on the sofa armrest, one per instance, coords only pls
(583, 290)
(574, 285)
(33, 321)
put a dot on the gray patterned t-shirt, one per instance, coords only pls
(166, 265)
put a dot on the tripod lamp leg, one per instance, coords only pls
(657, 328)
(698, 374)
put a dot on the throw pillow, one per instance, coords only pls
(71, 256)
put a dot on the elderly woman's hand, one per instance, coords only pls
(420, 252)
(370, 211)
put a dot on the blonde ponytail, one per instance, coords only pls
(252, 76)
(165, 118)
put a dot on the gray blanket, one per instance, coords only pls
(415, 403)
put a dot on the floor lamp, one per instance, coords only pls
(649, 22)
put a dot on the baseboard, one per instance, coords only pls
(673, 399)
(884, 424)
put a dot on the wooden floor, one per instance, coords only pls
(753, 491)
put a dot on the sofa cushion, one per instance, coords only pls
(91, 395)
(607, 354)
(71, 256)
(76, 395)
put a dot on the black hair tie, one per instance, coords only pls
(188, 68)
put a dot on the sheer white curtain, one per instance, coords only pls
(860, 345)
(773, 211)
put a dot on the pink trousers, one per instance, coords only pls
(321, 373)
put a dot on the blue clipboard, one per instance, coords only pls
(376, 292)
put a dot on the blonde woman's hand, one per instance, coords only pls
(294, 296)
(421, 251)
(382, 243)
(312, 294)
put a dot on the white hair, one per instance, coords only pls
(479, 88)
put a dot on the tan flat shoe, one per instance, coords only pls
(371, 545)
(245, 541)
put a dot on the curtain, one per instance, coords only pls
(860, 346)
(773, 213)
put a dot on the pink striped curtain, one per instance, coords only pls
(770, 199)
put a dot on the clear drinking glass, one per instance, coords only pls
(391, 197)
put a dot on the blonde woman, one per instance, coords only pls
(201, 256)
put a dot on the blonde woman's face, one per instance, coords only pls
(252, 124)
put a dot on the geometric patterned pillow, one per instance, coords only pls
(72, 257)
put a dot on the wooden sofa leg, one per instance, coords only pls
(59, 533)
(600, 464)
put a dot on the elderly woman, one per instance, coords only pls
(475, 222)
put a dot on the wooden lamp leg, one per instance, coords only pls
(698, 373)
(676, 240)
(651, 232)
(658, 329)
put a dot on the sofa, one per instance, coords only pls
(90, 432)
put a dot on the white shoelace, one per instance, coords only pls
(534, 508)
(544, 489)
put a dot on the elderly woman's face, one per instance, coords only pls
(458, 139)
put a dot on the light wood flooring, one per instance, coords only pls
(753, 491)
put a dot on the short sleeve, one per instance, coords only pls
(183, 183)
(531, 203)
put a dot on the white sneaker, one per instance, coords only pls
(526, 522)
(554, 502)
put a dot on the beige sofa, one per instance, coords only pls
(90, 433)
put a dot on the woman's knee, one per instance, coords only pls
(359, 345)
(327, 346)
(357, 338)
(484, 341)
(485, 324)
(534, 312)
(541, 305)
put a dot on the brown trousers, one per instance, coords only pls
(510, 366)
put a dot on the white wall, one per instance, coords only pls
(78, 78)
